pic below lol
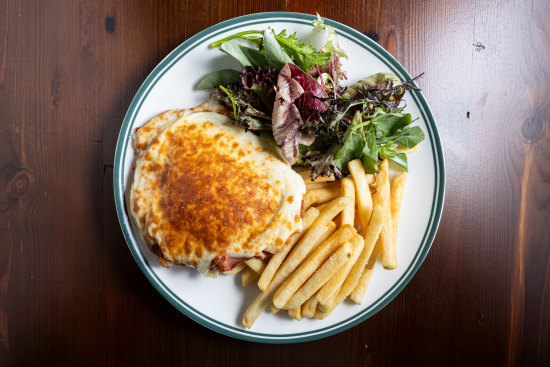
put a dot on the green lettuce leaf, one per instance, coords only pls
(304, 55)
(275, 54)
(369, 81)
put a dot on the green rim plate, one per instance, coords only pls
(125, 138)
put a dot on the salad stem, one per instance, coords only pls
(237, 35)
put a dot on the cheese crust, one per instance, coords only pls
(205, 189)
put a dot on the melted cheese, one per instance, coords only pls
(204, 187)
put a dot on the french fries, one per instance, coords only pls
(326, 263)
(407, 150)
(295, 313)
(325, 294)
(319, 315)
(396, 197)
(258, 265)
(320, 185)
(248, 277)
(363, 195)
(372, 232)
(321, 276)
(320, 195)
(389, 259)
(359, 292)
(348, 190)
(322, 206)
(331, 210)
(306, 269)
(352, 279)
(277, 259)
(310, 239)
(237, 269)
(309, 307)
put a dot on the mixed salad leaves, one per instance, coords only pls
(290, 94)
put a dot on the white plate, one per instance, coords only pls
(219, 303)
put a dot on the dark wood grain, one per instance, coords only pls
(71, 294)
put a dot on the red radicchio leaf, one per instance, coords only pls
(333, 67)
(296, 102)
(309, 103)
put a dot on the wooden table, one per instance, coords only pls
(71, 294)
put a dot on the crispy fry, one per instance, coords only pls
(309, 307)
(325, 294)
(322, 206)
(311, 280)
(304, 271)
(277, 259)
(295, 313)
(315, 235)
(396, 198)
(258, 265)
(274, 309)
(359, 292)
(236, 269)
(319, 315)
(348, 190)
(325, 310)
(372, 233)
(248, 277)
(302, 171)
(304, 248)
(321, 276)
(320, 195)
(320, 185)
(363, 196)
(328, 306)
(331, 210)
(371, 180)
(403, 149)
(389, 259)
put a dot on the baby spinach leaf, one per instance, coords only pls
(392, 155)
(390, 123)
(411, 137)
(370, 153)
(256, 57)
(351, 149)
(217, 78)
(233, 48)
(400, 159)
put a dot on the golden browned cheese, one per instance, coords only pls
(204, 188)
